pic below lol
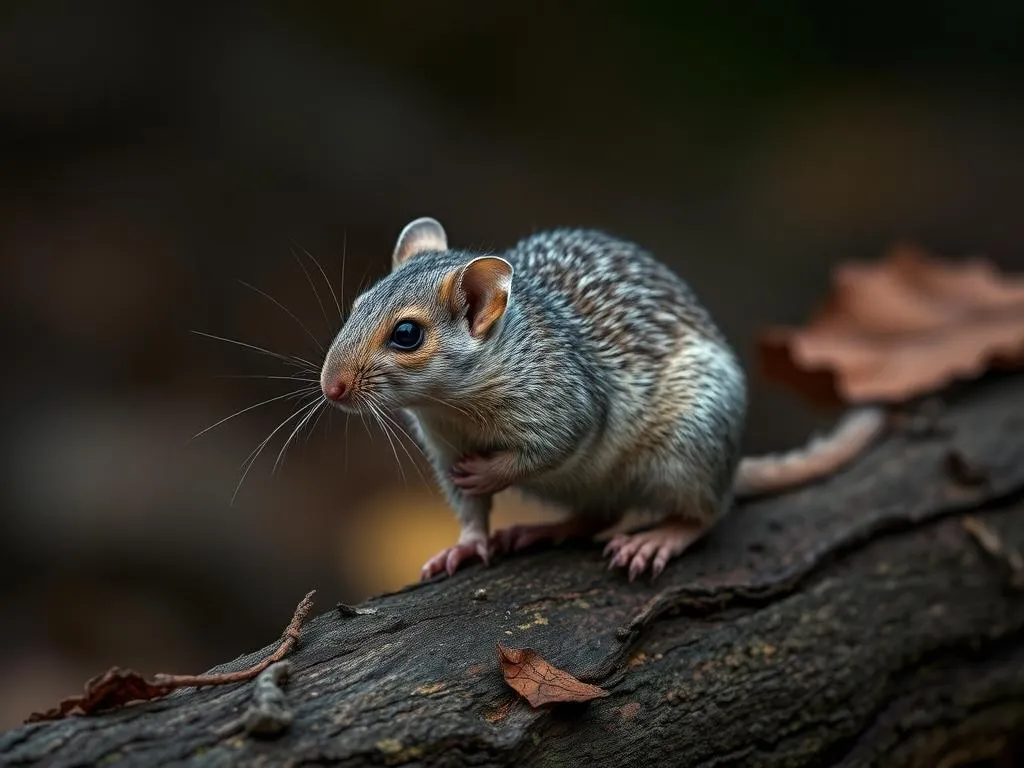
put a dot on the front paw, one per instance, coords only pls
(449, 559)
(482, 475)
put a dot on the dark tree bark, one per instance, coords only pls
(854, 622)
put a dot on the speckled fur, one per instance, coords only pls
(605, 375)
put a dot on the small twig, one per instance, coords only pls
(993, 545)
(289, 639)
(117, 687)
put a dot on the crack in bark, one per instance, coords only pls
(847, 748)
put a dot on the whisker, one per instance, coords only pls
(403, 431)
(298, 393)
(264, 376)
(327, 280)
(412, 460)
(400, 429)
(364, 282)
(347, 420)
(302, 422)
(387, 434)
(290, 314)
(309, 280)
(316, 421)
(366, 428)
(344, 252)
(250, 460)
(292, 360)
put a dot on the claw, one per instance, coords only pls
(653, 548)
(449, 560)
(615, 543)
(658, 567)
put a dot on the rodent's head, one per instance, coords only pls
(415, 337)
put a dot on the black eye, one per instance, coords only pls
(407, 336)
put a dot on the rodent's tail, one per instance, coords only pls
(822, 456)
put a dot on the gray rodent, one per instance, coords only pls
(576, 368)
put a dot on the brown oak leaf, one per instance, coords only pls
(539, 682)
(900, 328)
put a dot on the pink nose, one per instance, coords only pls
(335, 391)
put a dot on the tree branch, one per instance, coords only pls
(854, 622)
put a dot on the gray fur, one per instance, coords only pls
(605, 376)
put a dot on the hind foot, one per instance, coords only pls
(517, 537)
(652, 548)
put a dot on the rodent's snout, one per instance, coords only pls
(336, 385)
(335, 390)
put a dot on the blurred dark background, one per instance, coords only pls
(153, 153)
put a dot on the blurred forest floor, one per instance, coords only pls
(155, 154)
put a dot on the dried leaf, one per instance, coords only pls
(113, 688)
(539, 682)
(900, 328)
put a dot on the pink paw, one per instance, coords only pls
(481, 475)
(653, 548)
(451, 558)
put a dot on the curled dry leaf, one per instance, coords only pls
(539, 682)
(900, 328)
(113, 688)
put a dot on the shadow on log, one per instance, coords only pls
(854, 622)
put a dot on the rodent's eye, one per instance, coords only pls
(407, 336)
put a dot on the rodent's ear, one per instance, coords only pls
(423, 234)
(485, 284)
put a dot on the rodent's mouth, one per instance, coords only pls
(348, 406)
(362, 403)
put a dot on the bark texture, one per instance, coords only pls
(855, 622)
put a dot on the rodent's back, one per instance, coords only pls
(630, 307)
(671, 383)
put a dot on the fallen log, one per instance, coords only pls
(875, 618)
